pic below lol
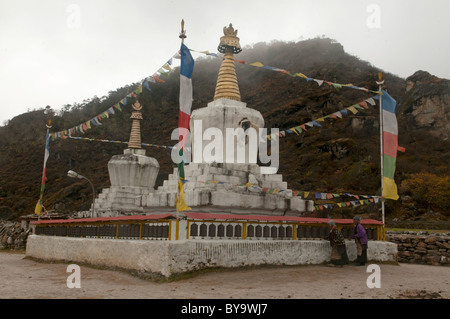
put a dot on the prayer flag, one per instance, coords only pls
(371, 101)
(337, 114)
(352, 109)
(258, 64)
(157, 78)
(184, 114)
(181, 204)
(390, 145)
(363, 104)
(336, 85)
(38, 208)
(320, 82)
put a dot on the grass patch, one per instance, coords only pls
(12, 251)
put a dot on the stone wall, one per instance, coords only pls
(419, 248)
(12, 235)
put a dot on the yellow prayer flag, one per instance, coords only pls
(305, 194)
(38, 208)
(258, 64)
(181, 204)
(320, 119)
(389, 188)
(352, 109)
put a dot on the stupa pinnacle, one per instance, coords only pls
(227, 84)
(135, 134)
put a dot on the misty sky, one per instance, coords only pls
(57, 52)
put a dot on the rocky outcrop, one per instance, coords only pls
(427, 99)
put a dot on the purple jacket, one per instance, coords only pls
(360, 234)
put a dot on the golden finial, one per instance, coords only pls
(380, 79)
(227, 84)
(229, 41)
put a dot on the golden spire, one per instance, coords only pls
(135, 135)
(227, 84)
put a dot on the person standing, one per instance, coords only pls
(361, 240)
(338, 248)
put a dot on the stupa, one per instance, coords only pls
(132, 175)
(233, 183)
(228, 184)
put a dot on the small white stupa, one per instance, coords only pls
(132, 175)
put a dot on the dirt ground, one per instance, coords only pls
(25, 278)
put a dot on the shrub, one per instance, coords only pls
(428, 190)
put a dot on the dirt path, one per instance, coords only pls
(25, 278)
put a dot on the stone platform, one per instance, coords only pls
(166, 258)
(209, 187)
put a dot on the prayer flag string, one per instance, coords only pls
(295, 74)
(96, 120)
(314, 123)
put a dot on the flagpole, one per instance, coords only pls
(182, 36)
(43, 166)
(380, 82)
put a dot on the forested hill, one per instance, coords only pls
(341, 156)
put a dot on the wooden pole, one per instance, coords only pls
(380, 83)
(182, 37)
(43, 169)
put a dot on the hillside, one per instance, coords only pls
(342, 156)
